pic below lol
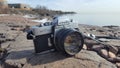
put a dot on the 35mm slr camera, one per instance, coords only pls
(61, 35)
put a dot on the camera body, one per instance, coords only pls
(61, 35)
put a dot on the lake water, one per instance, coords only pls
(96, 19)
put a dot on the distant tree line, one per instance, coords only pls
(41, 10)
(44, 11)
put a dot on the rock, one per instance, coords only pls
(114, 60)
(100, 30)
(118, 47)
(97, 48)
(2, 40)
(18, 58)
(19, 52)
(113, 49)
(1, 34)
(104, 53)
(118, 65)
(10, 39)
(84, 47)
(111, 54)
(3, 53)
(17, 29)
(114, 42)
(118, 54)
(90, 43)
(84, 59)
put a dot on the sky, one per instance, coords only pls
(75, 5)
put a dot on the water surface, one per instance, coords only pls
(96, 19)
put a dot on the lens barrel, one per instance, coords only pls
(69, 41)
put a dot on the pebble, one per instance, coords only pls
(104, 53)
(85, 46)
(118, 65)
(111, 54)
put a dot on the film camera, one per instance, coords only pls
(61, 34)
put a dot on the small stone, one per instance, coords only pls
(104, 53)
(118, 65)
(114, 60)
(111, 54)
(85, 47)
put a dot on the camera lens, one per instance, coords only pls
(68, 41)
(72, 43)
